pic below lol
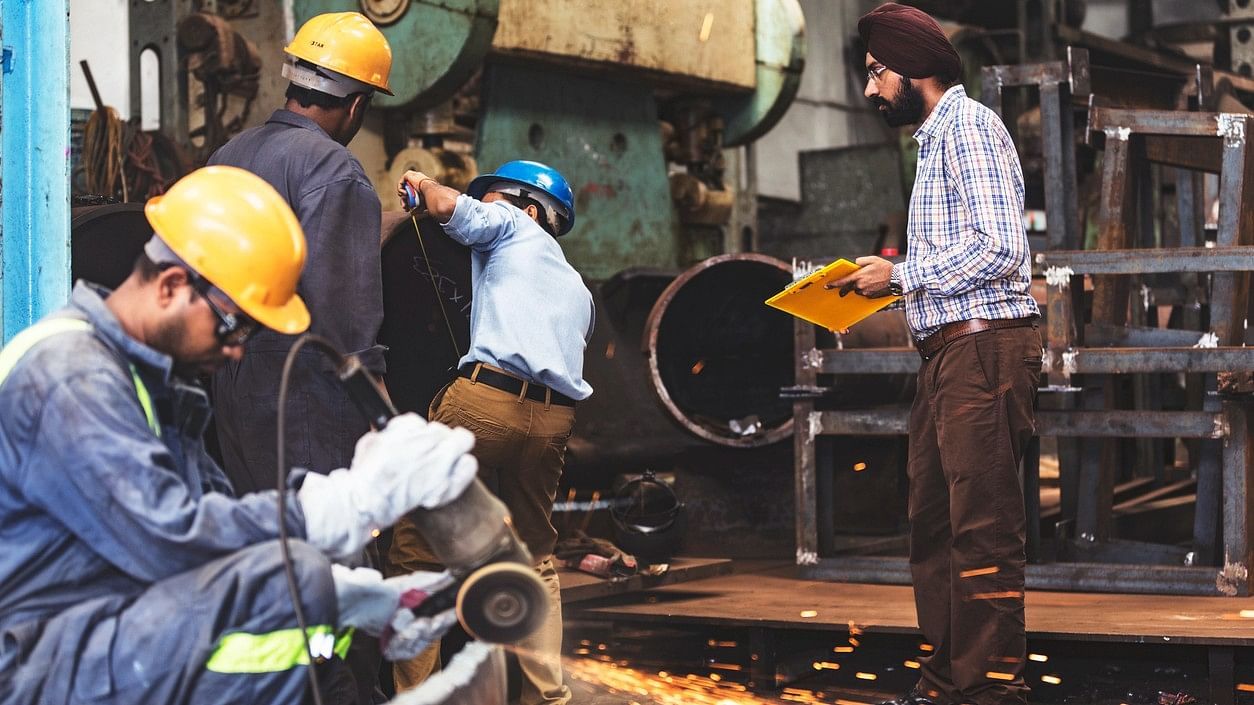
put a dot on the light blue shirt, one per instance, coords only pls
(530, 314)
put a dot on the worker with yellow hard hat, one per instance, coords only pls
(131, 573)
(334, 66)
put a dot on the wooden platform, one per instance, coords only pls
(771, 597)
(578, 586)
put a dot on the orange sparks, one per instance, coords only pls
(911, 664)
(996, 595)
(727, 666)
(696, 369)
(979, 571)
(1005, 659)
(808, 614)
(1039, 658)
(1245, 687)
(828, 665)
(866, 676)
(999, 676)
(843, 650)
(926, 647)
(854, 642)
(722, 644)
(859, 467)
(1052, 680)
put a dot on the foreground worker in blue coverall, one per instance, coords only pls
(130, 574)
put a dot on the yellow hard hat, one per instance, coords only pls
(236, 231)
(347, 43)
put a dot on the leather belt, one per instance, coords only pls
(948, 333)
(513, 385)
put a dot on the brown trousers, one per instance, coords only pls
(521, 449)
(971, 420)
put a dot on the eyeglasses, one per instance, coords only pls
(874, 72)
(233, 328)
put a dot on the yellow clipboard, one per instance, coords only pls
(808, 300)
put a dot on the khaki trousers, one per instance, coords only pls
(521, 448)
(971, 420)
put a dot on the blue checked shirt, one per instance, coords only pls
(968, 254)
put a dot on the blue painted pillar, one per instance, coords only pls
(34, 161)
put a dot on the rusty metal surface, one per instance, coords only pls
(1151, 260)
(698, 42)
(1086, 424)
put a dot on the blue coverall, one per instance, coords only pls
(129, 573)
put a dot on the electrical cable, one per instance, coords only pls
(438, 297)
(289, 570)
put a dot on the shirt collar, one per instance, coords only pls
(941, 114)
(89, 299)
(284, 116)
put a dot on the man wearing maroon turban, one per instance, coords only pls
(966, 282)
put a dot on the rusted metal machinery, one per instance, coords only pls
(1099, 364)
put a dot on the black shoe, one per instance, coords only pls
(914, 697)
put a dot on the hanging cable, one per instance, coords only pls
(289, 570)
(438, 297)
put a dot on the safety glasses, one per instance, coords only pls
(233, 328)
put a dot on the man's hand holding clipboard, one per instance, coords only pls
(872, 280)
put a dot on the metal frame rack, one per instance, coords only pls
(1081, 405)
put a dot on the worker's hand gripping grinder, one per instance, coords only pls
(497, 595)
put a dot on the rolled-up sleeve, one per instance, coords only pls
(97, 468)
(478, 225)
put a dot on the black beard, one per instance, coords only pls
(906, 109)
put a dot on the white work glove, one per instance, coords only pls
(409, 464)
(382, 608)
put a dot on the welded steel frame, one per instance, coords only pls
(1228, 426)
(1223, 426)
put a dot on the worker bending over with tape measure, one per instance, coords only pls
(130, 572)
(530, 320)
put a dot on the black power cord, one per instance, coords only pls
(289, 569)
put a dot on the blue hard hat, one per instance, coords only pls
(542, 177)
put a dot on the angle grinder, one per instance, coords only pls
(497, 595)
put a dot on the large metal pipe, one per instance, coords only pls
(718, 357)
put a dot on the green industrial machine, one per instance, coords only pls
(633, 100)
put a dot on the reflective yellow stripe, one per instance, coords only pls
(240, 652)
(29, 338)
(145, 400)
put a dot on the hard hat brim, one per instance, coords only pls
(291, 318)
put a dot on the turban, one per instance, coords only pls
(909, 42)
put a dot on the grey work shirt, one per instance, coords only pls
(339, 211)
(342, 284)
